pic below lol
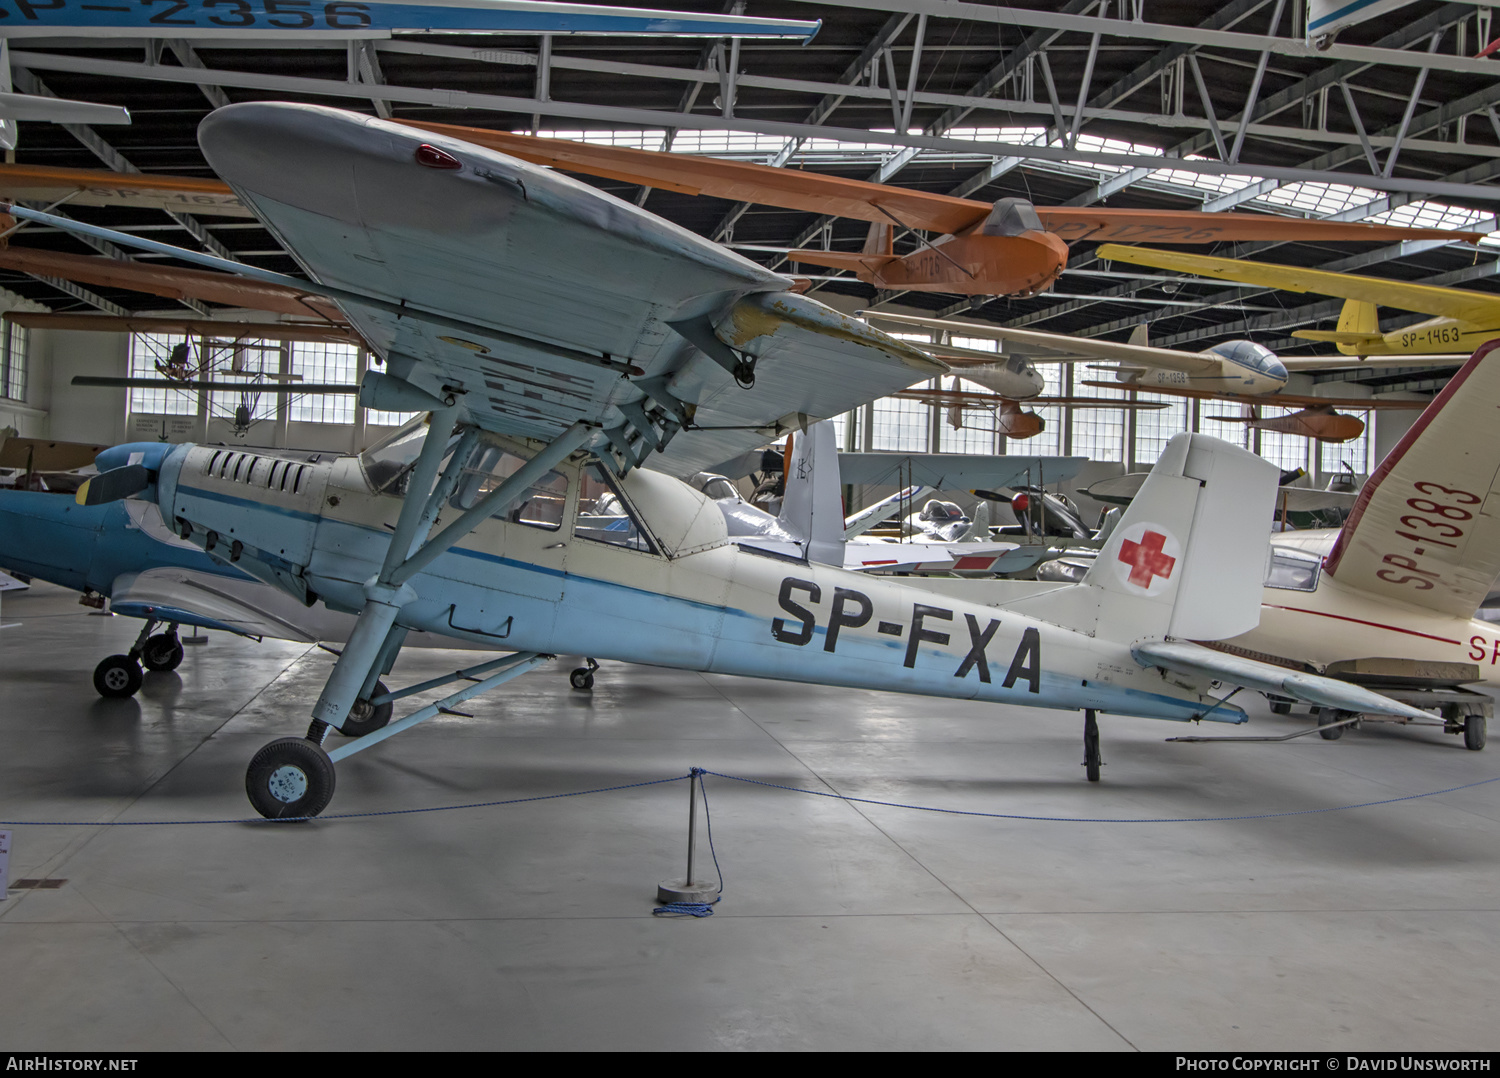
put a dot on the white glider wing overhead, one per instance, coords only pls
(1425, 529)
(1041, 347)
(539, 301)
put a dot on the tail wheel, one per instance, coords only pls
(290, 778)
(163, 652)
(117, 677)
(365, 717)
(582, 678)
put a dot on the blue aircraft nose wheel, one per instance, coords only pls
(117, 677)
(290, 777)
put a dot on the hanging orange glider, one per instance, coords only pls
(1009, 247)
(170, 282)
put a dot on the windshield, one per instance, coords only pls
(387, 463)
(1252, 355)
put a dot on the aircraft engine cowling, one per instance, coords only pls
(270, 505)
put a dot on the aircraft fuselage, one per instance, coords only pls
(696, 602)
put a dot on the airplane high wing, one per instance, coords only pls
(92, 187)
(1425, 531)
(881, 204)
(171, 282)
(1466, 306)
(665, 332)
(1042, 347)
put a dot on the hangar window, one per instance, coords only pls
(158, 356)
(13, 369)
(324, 363)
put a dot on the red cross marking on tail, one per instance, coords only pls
(1146, 559)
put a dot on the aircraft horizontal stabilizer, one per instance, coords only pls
(1338, 336)
(1198, 661)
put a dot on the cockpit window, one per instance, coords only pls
(719, 487)
(387, 464)
(606, 517)
(1293, 571)
(539, 506)
(1248, 354)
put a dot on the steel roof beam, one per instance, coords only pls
(1015, 18)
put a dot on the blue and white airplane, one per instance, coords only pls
(558, 339)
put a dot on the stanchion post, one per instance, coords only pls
(688, 889)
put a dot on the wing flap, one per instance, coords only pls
(1194, 660)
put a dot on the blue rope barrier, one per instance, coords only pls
(1102, 819)
(336, 815)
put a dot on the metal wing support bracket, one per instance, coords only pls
(699, 332)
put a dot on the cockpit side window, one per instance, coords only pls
(605, 516)
(1293, 572)
(540, 506)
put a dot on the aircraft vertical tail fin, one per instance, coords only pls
(1358, 316)
(812, 509)
(879, 241)
(1138, 335)
(1188, 557)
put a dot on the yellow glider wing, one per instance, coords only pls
(1477, 307)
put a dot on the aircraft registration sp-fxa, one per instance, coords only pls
(559, 338)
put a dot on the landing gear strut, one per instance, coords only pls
(120, 676)
(1091, 759)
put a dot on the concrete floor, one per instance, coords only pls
(842, 926)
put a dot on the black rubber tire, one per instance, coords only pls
(1092, 758)
(1279, 708)
(365, 718)
(1475, 732)
(582, 678)
(117, 677)
(162, 653)
(1331, 733)
(290, 778)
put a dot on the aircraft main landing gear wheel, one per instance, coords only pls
(117, 677)
(1475, 733)
(1091, 758)
(289, 778)
(1327, 732)
(1279, 707)
(365, 717)
(163, 652)
(583, 677)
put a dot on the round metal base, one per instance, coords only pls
(680, 891)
